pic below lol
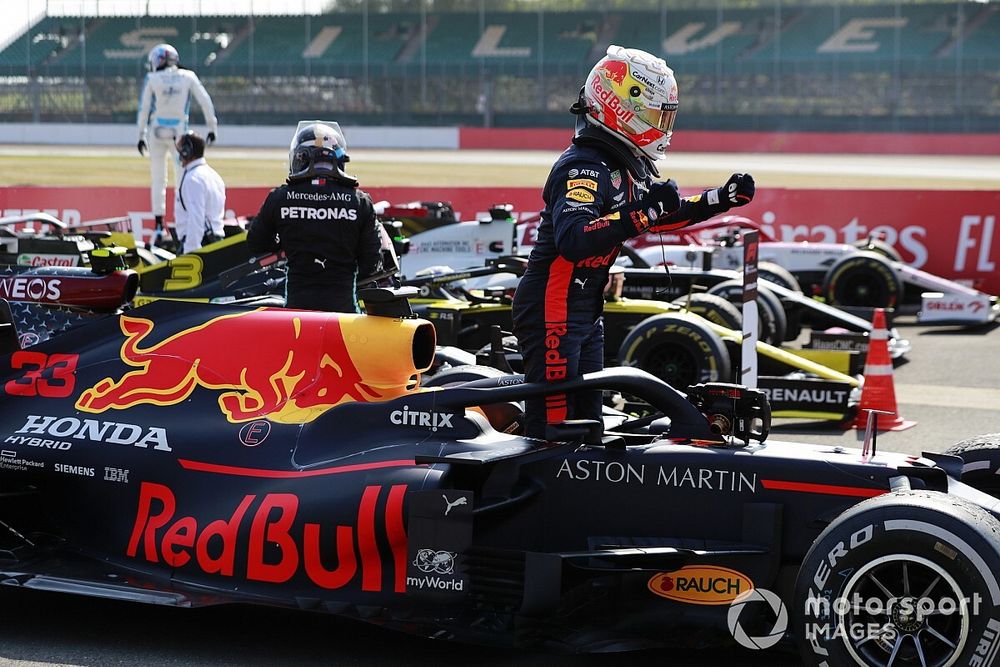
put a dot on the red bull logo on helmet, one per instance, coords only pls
(616, 71)
(611, 101)
(296, 368)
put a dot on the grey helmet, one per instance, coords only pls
(318, 148)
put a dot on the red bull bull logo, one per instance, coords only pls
(615, 70)
(293, 369)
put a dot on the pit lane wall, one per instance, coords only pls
(952, 234)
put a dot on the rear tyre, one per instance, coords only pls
(905, 578)
(880, 248)
(981, 457)
(769, 309)
(779, 275)
(679, 350)
(777, 312)
(713, 308)
(864, 279)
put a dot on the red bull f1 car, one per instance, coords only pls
(199, 454)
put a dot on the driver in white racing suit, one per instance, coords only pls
(163, 118)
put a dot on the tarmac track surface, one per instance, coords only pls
(51, 630)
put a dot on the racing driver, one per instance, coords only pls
(326, 226)
(164, 106)
(601, 191)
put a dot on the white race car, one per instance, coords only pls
(870, 274)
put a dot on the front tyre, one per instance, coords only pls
(980, 462)
(879, 247)
(904, 579)
(864, 279)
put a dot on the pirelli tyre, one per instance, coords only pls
(864, 279)
(779, 275)
(980, 462)
(903, 579)
(713, 308)
(880, 248)
(679, 349)
(775, 273)
(770, 312)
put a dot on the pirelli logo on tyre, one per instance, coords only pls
(581, 183)
(580, 195)
(679, 351)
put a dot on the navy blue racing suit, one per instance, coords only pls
(328, 229)
(593, 203)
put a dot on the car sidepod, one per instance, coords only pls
(590, 546)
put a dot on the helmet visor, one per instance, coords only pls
(341, 147)
(662, 119)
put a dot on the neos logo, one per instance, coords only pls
(33, 289)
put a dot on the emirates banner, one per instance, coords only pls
(953, 234)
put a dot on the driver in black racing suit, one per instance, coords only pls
(600, 192)
(325, 225)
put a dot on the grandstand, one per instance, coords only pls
(921, 66)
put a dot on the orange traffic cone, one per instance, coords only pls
(878, 392)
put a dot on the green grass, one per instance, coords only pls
(53, 170)
(128, 171)
(263, 168)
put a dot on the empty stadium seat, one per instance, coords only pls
(912, 65)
